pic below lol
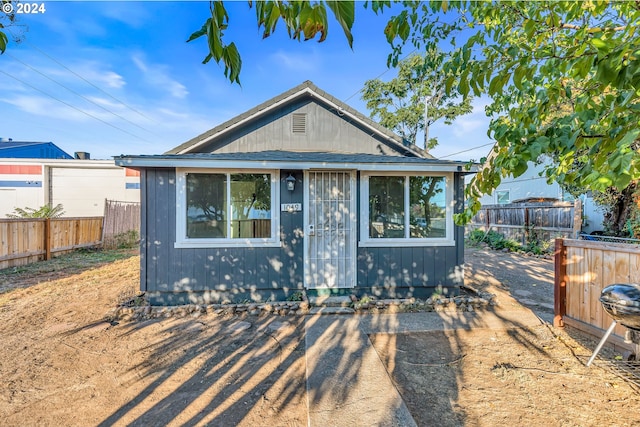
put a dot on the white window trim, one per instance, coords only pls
(183, 242)
(503, 191)
(366, 241)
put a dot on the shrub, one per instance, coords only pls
(46, 211)
(126, 240)
(494, 240)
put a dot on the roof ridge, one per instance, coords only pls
(299, 90)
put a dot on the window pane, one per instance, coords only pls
(386, 207)
(427, 203)
(250, 205)
(502, 196)
(206, 205)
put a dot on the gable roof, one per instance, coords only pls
(305, 90)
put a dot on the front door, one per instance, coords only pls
(330, 229)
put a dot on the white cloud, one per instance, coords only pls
(92, 71)
(40, 106)
(474, 122)
(136, 14)
(297, 62)
(157, 75)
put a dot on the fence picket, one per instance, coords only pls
(548, 220)
(592, 266)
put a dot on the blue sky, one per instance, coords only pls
(117, 77)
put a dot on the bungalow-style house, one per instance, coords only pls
(299, 193)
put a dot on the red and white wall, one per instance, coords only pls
(81, 186)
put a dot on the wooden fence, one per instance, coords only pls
(23, 241)
(582, 270)
(120, 218)
(524, 221)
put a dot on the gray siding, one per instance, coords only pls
(177, 276)
(406, 272)
(326, 131)
(174, 276)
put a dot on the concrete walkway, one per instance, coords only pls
(347, 383)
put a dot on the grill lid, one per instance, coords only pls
(623, 294)
(622, 302)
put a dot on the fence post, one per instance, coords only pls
(560, 284)
(527, 236)
(488, 220)
(47, 239)
(577, 217)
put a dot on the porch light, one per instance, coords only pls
(291, 183)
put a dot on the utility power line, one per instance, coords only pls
(90, 83)
(78, 94)
(75, 108)
(467, 150)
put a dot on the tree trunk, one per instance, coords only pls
(616, 219)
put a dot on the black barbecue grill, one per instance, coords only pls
(622, 302)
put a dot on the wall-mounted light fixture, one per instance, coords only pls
(291, 183)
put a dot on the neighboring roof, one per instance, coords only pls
(294, 160)
(306, 89)
(22, 149)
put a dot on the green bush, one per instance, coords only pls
(494, 240)
(126, 240)
(498, 242)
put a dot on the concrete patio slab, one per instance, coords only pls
(347, 383)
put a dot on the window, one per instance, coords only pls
(502, 197)
(413, 209)
(225, 208)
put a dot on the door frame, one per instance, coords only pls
(353, 224)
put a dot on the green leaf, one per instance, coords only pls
(600, 44)
(313, 20)
(344, 12)
(214, 39)
(628, 138)
(201, 32)
(518, 74)
(233, 63)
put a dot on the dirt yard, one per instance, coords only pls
(62, 364)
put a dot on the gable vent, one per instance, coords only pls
(299, 123)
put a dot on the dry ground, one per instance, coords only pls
(61, 364)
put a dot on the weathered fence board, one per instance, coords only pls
(519, 221)
(119, 218)
(582, 270)
(23, 241)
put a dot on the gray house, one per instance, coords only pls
(298, 193)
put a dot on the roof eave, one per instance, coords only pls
(177, 162)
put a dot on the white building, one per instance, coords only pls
(81, 186)
(532, 185)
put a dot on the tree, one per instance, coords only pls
(531, 58)
(534, 59)
(303, 20)
(399, 104)
(46, 211)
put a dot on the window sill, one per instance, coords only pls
(385, 243)
(190, 244)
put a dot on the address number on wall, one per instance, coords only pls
(291, 207)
